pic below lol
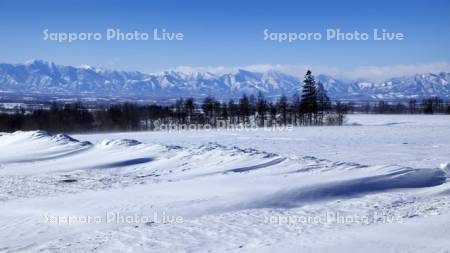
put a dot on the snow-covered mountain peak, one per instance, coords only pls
(41, 77)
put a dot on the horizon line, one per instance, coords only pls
(361, 73)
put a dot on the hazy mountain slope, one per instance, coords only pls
(40, 77)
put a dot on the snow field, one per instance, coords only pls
(308, 190)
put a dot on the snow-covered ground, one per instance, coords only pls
(378, 184)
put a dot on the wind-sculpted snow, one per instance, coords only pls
(64, 156)
(446, 167)
(37, 146)
(120, 142)
(225, 194)
(401, 178)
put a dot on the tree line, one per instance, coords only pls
(313, 107)
(432, 105)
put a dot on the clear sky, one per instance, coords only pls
(225, 33)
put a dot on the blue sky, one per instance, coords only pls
(226, 33)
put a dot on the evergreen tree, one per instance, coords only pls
(308, 102)
(323, 102)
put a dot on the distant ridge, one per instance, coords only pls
(46, 78)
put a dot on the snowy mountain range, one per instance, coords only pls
(45, 78)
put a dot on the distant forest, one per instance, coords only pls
(312, 108)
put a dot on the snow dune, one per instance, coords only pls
(38, 146)
(400, 178)
(224, 194)
(38, 152)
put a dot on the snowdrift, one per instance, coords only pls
(291, 182)
(38, 146)
(402, 178)
(216, 188)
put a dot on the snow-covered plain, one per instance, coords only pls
(378, 184)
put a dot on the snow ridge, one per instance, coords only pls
(226, 195)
